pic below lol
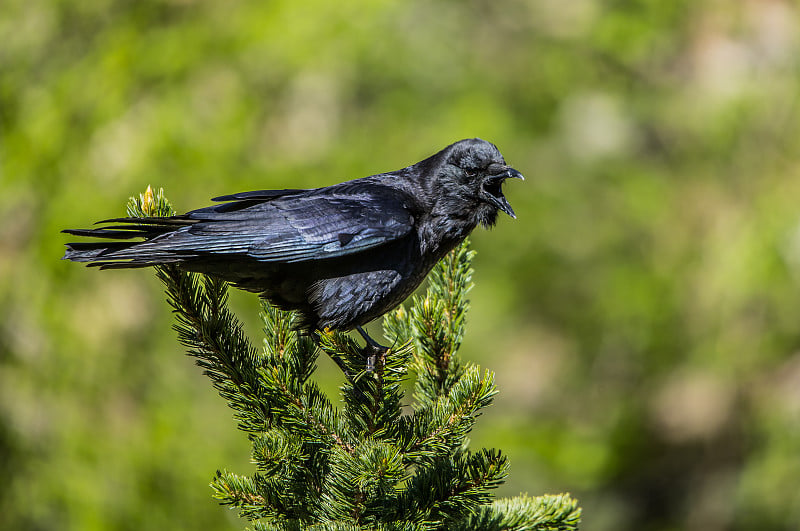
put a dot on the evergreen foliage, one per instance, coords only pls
(366, 464)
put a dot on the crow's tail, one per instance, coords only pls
(116, 254)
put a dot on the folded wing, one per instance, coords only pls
(288, 226)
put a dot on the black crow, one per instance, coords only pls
(341, 255)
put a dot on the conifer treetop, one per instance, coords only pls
(363, 463)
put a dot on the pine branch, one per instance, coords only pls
(449, 487)
(542, 513)
(435, 324)
(238, 491)
(444, 425)
(214, 337)
(372, 397)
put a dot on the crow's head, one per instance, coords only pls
(473, 173)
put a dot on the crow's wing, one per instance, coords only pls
(314, 225)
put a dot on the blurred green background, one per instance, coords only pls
(642, 314)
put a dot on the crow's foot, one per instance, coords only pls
(372, 349)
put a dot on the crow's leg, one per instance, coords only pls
(371, 349)
(370, 342)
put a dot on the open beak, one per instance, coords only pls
(492, 186)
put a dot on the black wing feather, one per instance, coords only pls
(263, 195)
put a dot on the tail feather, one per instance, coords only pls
(124, 254)
(115, 232)
(134, 265)
(90, 251)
